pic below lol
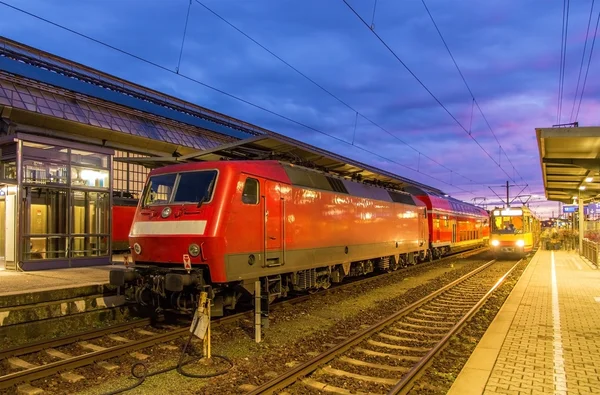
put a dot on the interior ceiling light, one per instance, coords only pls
(582, 187)
(589, 179)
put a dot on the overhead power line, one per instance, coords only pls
(587, 33)
(469, 89)
(588, 67)
(426, 88)
(329, 92)
(563, 59)
(164, 68)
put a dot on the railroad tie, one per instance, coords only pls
(397, 347)
(19, 363)
(362, 377)
(139, 356)
(57, 354)
(168, 347)
(405, 339)
(118, 338)
(71, 377)
(388, 355)
(107, 366)
(91, 346)
(357, 362)
(329, 388)
(28, 389)
(145, 332)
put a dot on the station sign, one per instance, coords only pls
(591, 208)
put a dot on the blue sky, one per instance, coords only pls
(508, 51)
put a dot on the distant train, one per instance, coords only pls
(123, 211)
(228, 224)
(515, 231)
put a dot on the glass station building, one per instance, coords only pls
(55, 202)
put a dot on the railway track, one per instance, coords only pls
(388, 356)
(89, 351)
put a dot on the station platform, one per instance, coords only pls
(37, 305)
(546, 337)
(12, 282)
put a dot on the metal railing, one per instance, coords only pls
(590, 251)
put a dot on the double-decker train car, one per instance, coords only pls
(454, 226)
(123, 211)
(515, 231)
(228, 224)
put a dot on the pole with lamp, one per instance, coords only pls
(581, 218)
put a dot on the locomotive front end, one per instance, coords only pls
(173, 239)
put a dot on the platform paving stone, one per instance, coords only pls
(529, 351)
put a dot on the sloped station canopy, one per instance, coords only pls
(289, 150)
(570, 161)
(214, 136)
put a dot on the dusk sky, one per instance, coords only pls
(508, 51)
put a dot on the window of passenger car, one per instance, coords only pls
(250, 192)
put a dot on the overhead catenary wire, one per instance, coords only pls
(588, 67)
(470, 91)
(354, 110)
(587, 34)
(563, 59)
(232, 96)
(187, 17)
(425, 87)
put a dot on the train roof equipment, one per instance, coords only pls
(286, 149)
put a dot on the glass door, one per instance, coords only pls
(8, 220)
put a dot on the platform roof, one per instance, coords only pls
(32, 63)
(569, 156)
(239, 139)
(292, 151)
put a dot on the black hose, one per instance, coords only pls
(141, 376)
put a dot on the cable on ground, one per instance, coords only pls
(142, 374)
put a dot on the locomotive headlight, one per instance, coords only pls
(137, 248)
(495, 243)
(520, 243)
(194, 249)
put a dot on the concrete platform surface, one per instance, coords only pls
(12, 282)
(546, 337)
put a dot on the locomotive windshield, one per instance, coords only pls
(188, 187)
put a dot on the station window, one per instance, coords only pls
(129, 177)
(250, 192)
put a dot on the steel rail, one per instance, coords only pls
(91, 357)
(91, 334)
(405, 384)
(86, 359)
(309, 366)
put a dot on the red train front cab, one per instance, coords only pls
(176, 224)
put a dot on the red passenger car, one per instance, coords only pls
(227, 224)
(123, 211)
(454, 226)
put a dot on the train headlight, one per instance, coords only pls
(520, 243)
(495, 243)
(137, 248)
(194, 249)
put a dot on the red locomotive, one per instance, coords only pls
(229, 223)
